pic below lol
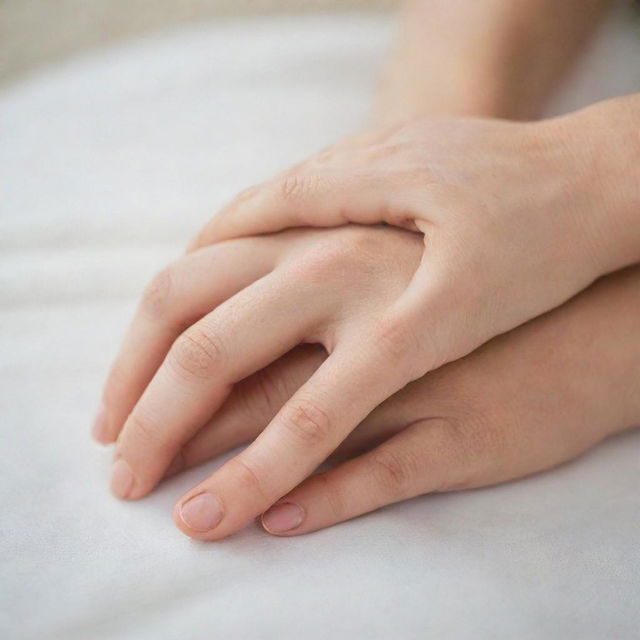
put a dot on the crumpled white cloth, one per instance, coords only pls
(109, 164)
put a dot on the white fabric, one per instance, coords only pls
(109, 164)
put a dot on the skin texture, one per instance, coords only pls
(504, 207)
(331, 287)
(211, 359)
(474, 187)
(488, 408)
(526, 401)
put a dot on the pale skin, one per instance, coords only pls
(498, 222)
(495, 58)
(526, 401)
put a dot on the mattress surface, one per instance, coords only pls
(109, 164)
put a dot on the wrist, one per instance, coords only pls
(602, 155)
(411, 92)
(429, 75)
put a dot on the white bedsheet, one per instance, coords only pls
(108, 165)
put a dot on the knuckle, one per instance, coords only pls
(322, 264)
(348, 248)
(394, 337)
(295, 185)
(155, 300)
(144, 430)
(248, 479)
(316, 268)
(396, 472)
(197, 353)
(399, 344)
(307, 422)
(356, 241)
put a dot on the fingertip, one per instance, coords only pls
(100, 427)
(125, 484)
(122, 479)
(102, 440)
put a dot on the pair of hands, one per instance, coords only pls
(212, 358)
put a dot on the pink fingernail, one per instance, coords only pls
(122, 478)
(99, 429)
(282, 517)
(202, 512)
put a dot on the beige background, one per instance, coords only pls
(36, 32)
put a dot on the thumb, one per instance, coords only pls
(306, 198)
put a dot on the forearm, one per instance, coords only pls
(495, 58)
(602, 144)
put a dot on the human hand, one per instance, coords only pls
(526, 401)
(222, 313)
(303, 272)
(517, 217)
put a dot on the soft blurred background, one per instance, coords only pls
(36, 32)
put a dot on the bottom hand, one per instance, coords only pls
(524, 402)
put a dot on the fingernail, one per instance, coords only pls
(122, 478)
(202, 512)
(282, 517)
(99, 429)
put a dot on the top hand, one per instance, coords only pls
(385, 316)
(517, 218)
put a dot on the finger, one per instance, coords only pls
(425, 457)
(241, 336)
(254, 402)
(315, 198)
(251, 406)
(177, 297)
(346, 387)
